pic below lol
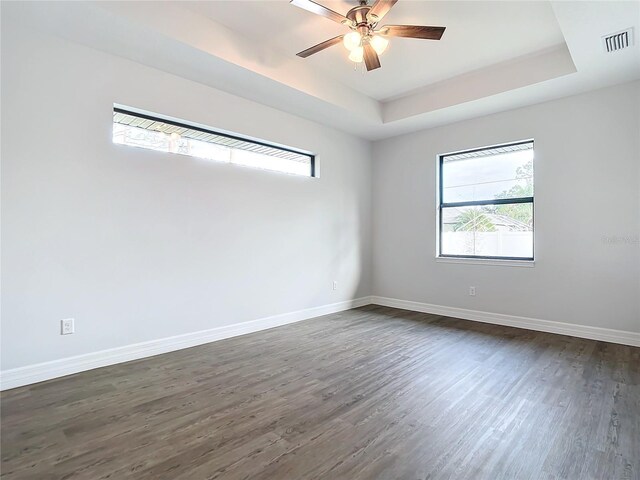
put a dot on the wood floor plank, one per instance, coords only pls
(371, 393)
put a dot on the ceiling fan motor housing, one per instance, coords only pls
(358, 15)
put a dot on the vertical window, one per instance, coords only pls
(486, 203)
(145, 131)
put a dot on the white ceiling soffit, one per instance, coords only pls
(558, 53)
(503, 77)
(166, 36)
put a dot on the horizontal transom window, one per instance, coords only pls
(141, 130)
(486, 203)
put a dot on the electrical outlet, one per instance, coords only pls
(335, 284)
(472, 291)
(66, 326)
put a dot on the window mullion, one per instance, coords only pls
(495, 201)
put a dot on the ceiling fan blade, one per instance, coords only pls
(380, 9)
(318, 9)
(371, 59)
(413, 31)
(321, 46)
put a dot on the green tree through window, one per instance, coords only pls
(519, 211)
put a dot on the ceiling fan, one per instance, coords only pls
(363, 41)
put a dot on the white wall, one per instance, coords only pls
(587, 214)
(139, 245)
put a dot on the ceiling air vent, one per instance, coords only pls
(618, 41)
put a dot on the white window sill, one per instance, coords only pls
(487, 261)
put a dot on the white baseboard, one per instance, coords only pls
(18, 377)
(581, 331)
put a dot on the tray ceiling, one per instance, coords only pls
(494, 56)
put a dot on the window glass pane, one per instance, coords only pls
(155, 134)
(259, 160)
(488, 231)
(488, 174)
(140, 137)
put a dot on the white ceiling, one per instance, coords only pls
(494, 56)
(478, 34)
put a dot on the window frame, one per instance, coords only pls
(494, 260)
(157, 118)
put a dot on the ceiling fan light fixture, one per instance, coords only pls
(352, 40)
(365, 41)
(379, 43)
(357, 55)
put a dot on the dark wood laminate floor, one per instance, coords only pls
(372, 393)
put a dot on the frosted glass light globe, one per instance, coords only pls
(352, 40)
(379, 43)
(357, 54)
